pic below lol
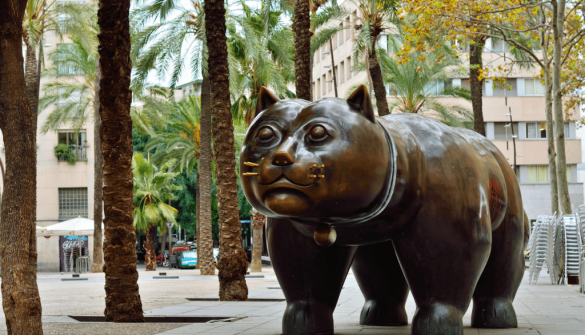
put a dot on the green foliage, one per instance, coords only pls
(152, 188)
(65, 152)
(139, 140)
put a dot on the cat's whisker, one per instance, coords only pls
(250, 174)
(251, 164)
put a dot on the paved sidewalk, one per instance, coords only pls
(541, 309)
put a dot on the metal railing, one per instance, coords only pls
(79, 151)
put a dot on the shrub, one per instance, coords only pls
(63, 151)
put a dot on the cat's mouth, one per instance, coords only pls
(283, 179)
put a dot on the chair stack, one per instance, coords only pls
(581, 244)
(571, 249)
(555, 251)
(538, 247)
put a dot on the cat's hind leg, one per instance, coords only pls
(383, 285)
(311, 277)
(500, 279)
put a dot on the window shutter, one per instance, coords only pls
(456, 83)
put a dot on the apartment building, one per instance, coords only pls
(192, 87)
(523, 98)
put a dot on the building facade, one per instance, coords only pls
(523, 99)
(64, 190)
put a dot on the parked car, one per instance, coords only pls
(186, 259)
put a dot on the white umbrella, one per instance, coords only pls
(77, 226)
(74, 227)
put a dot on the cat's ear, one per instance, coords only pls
(265, 99)
(361, 99)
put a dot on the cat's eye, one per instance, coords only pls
(266, 134)
(318, 133)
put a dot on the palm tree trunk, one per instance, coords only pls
(20, 295)
(552, 164)
(557, 28)
(233, 262)
(378, 82)
(204, 241)
(32, 79)
(476, 86)
(258, 221)
(123, 302)
(98, 258)
(301, 28)
(198, 190)
(150, 258)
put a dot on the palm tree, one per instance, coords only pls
(40, 17)
(151, 189)
(376, 17)
(261, 54)
(123, 302)
(74, 95)
(419, 84)
(159, 47)
(20, 295)
(233, 263)
(302, 37)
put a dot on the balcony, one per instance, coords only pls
(79, 153)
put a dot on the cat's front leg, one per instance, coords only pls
(311, 277)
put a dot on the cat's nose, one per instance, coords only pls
(284, 155)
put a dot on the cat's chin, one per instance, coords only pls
(287, 202)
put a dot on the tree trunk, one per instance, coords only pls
(20, 295)
(554, 195)
(233, 262)
(301, 28)
(32, 79)
(378, 82)
(123, 302)
(198, 192)
(476, 86)
(150, 258)
(258, 221)
(557, 28)
(204, 241)
(98, 256)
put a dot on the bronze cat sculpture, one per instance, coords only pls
(405, 200)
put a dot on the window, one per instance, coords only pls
(318, 88)
(503, 131)
(64, 17)
(537, 174)
(533, 87)
(341, 72)
(437, 87)
(498, 45)
(318, 55)
(336, 75)
(567, 133)
(66, 68)
(334, 41)
(314, 90)
(72, 203)
(77, 141)
(340, 33)
(348, 24)
(351, 29)
(329, 81)
(348, 67)
(536, 130)
(324, 88)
